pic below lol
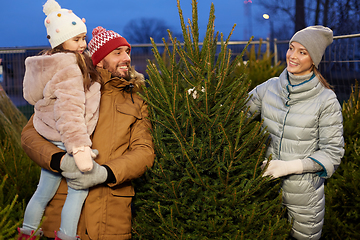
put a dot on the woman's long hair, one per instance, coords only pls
(85, 63)
(322, 79)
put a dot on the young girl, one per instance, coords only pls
(304, 119)
(63, 86)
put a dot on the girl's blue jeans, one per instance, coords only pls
(46, 189)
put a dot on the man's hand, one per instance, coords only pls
(280, 168)
(79, 180)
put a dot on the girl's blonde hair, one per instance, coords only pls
(90, 75)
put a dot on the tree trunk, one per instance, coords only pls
(299, 15)
(326, 9)
(317, 12)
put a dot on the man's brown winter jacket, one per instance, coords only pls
(125, 145)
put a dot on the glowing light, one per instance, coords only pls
(266, 16)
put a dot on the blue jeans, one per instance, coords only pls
(46, 189)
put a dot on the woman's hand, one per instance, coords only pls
(280, 168)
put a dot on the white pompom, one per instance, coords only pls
(51, 6)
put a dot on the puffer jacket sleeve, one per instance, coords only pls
(69, 108)
(255, 98)
(331, 141)
(140, 156)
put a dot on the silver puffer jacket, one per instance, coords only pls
(304, 121)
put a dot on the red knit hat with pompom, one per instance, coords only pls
(103, 42)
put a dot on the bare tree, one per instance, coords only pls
(285, 11)
(342, 16)
(140, 30)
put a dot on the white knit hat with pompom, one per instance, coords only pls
(61, 24)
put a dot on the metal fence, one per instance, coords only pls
(340, 65)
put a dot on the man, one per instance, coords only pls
(122, 137)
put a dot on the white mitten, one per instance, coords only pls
(280, 168)
(83, 158)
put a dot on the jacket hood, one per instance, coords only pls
(40, 70)
(137, 79)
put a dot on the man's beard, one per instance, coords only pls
(115, 73)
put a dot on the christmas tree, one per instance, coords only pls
(23, 174)
(259, 66)
(20, 173)
(206, 181)
(7, 224)
(342, 190)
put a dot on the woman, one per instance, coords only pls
(304, 119)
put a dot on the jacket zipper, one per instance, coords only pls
(283, 125)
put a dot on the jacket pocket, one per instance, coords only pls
(316, 181)
(123, 190)
(118, 216)
(131, 109)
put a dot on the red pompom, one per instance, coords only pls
(98, 30)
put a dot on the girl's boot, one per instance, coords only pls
(62, 236)
(27, 234)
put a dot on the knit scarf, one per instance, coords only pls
(296, 80)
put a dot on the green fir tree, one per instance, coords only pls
(7, 224)
(23, 174)
(342, 190)
(206, 181)
(20, 172)
(259, 66)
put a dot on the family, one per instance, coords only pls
(91, 135)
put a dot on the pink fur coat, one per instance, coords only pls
(63, 110)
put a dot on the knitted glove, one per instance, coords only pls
(68, 163)
(280, 168)
(78, 180)
(83, 158)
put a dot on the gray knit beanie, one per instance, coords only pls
(315, 39)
